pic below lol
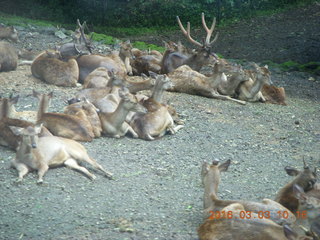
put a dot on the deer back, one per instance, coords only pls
(274, 95)
(49, 68)
(8, 57)
(98, 78)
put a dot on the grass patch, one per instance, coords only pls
(310, 67)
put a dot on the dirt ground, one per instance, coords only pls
(157, 192)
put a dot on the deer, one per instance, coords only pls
(86, 111)
(305, 178)
(158, 120)
(202, 56)
(250, 90)
(7, 137)
(186, 80)
(42, 153)
(63, 125)
(237, 228)
(9, 33)
(211, 178)
(126, 55)
(274, 95)
(11, 112)
(145, 62)
(98, 78)
(8, 57)
(114, 123)
(49, 68)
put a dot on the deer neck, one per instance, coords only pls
(256, 87)
(119, 115)
(43, 106)
(193, 62)
(211, 183)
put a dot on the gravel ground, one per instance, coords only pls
(157, 192)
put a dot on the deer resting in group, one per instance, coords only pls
(158, 120)
(211, 178)
(49, 68)
(8, 33)
(40, 153)
(63, 125)
(202, 56)
(8, 57)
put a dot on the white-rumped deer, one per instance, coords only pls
(40, 153)
(158, 120)
(211, 179)
(8, 57)
(60, 124)
(202, 56)
(49, 68)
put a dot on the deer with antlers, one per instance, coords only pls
(202, 56)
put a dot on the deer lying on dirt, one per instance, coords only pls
(86, 111)
(158, 120)
(11, 112)
(114, 124)
(8, 57)
(145, 62)
(211, 178)
(98, 78)
(238, 228)
(202, 56)
(274, 95)
(8, 33)
(49, 68)
(250, 90)
(40, 153)
(63, 125)
(306, 179)
(188, 81)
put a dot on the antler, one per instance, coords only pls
(209, 31)
(207, 42)
(187, 32)
(83, 37)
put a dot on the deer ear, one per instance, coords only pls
(16, 130)
(289, 233)
(223, 167)
(205, 168)
(291, 171)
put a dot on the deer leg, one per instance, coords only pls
(41, 172)
(132, 132)
(71, 163)
(97, 166)
(223, 97)
(22, 170)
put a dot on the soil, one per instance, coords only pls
(157, 191)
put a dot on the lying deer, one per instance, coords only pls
(41, 153)
(202, 56)
(86, 111)
(146, 62)
(188, 81)
(274, 95)
(98, 78)
(211, 179)
(237, 228)
(250, 90)
(11, 112)
(49, 68)
(114, 124)
(126, 55)
(63, 125)
(8, 57)
(9, 33)
(158, 120)
(306, 179)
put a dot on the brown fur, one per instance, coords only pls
(305, 178)
(98, 78)
(40, 153)
(8, 33)
(49, 68)
(8, 57)
(274, 95)
(63, 125)
(112, 62)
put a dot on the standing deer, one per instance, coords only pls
(40, 153)
(8, 57)
(202, 56)
(211, 179)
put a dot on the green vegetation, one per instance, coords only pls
(311, 67)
